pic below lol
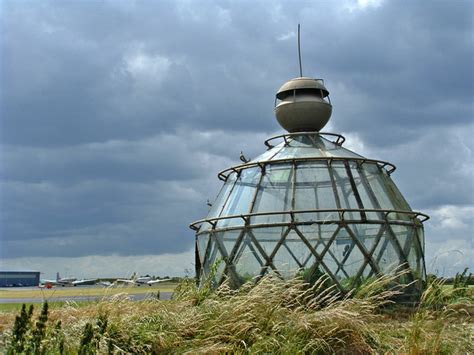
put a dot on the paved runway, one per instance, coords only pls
(133, 297)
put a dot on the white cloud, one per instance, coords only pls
(224, 17)
(452, 217)
(144, 66)
(286, 36)
(362, 4)
(369, 3)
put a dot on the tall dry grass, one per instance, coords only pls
(273, 316)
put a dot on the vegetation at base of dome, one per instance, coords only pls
(244, 278)
(311, 275)
(272, 316)
(188, 289)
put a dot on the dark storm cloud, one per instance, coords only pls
(114, 72)
(89, 199)
(128, 76)
(98, 218)
(116, 115)
(168, 157)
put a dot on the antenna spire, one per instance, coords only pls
(299, 51)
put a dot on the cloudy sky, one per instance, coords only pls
(117, 115)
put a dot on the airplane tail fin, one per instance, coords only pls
(57, 276)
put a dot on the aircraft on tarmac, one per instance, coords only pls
(60, 281)
(83, 282)
(67, 281)
(142, 280)
(105, 283)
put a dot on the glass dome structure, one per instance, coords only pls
(308, 206)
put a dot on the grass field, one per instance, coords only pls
(274, 316)
(16, 307)
(101, 293)
(41, 293)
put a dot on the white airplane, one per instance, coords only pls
(105, 283)
(60, 281)
(67, 281)
(83, 282)
(143, 280)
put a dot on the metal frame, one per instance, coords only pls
(231, 257)
(347, 182)
(224, 174)
(340, 212)
(340, 139)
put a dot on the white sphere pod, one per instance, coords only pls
(301, 105)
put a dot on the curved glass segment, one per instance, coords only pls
(305, 146)
(308, 206)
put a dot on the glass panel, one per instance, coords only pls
(388, 195)
(344, 190)
(297, 248)
(385, 254)
(268, 237)
(354, 256)
(219, 270)
(319, 236)
(341, 248)
(333, 150)
(203, 239)
(241, 196)
(377, 254)
(228, 239)
(285, 259)
(313, 190)
(248, 261)
(274, 194)
(366, 274)
(398, 200)
(404, 237)
(269, 153)
(219, 263)
(312, 232)
(421, 237)
(414, 262)
(367, 196)
(419, 245)
(298, 152)
(222, 196)
(314, 146)
(205, 226)
(304, 141)
(373, 174)
(300, 147)
(366, 233)
(214, 259)
(353, 261)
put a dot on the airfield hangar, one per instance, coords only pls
(308, 206)
(19, 278)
